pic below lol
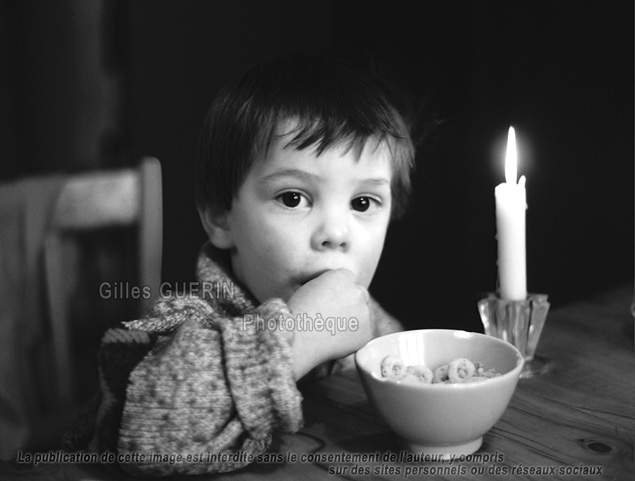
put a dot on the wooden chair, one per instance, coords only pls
(125, 197)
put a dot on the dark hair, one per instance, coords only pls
(330, 104)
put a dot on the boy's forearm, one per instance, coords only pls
(304, 359)
(307, 353)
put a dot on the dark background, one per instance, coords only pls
(94, 84)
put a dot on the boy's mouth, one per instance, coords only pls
(304, 278)
(314, 276)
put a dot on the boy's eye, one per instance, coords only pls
(291, 199)
(362, 204)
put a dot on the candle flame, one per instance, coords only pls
(511, 159)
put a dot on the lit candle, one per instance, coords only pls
(511, 204)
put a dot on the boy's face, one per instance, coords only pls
(298, 215)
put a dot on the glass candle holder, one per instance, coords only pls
(520, 323)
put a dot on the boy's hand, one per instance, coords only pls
(333, 294)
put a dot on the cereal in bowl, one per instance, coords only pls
(419, 373)
(457, 371)
(393, 367)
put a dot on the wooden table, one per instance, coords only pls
(574, 422)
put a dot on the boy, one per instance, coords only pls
(302, 164)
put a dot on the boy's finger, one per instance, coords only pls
(346, 272)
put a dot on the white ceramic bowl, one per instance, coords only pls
(440, 419)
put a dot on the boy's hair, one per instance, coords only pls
(329, 104)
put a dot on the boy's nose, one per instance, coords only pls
(332, 234)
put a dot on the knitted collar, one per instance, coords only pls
(216, 295)
(218, 284)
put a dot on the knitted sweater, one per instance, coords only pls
(193, 377)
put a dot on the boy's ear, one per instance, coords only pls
(216, 224)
